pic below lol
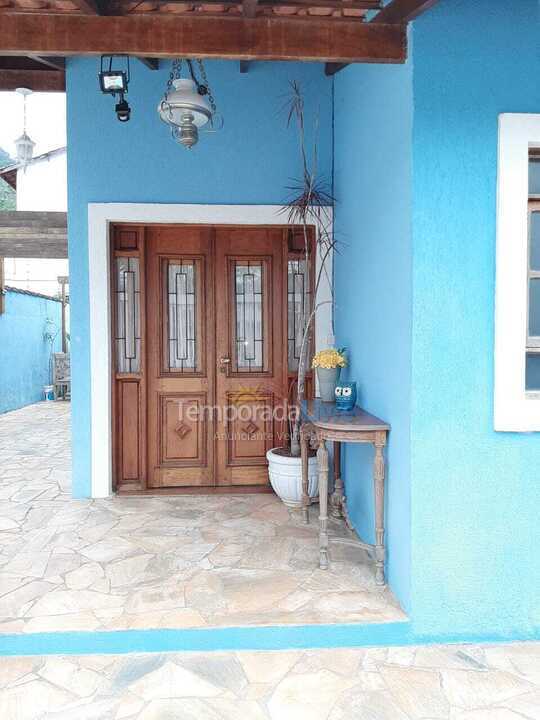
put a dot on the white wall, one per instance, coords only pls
(42, 185)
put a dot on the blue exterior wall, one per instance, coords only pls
(24, 353)
(251, 161)
(415, 180)
(475, 492)
(373, 126)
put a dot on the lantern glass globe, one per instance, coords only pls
(183, 100)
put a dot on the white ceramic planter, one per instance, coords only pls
(286, 477)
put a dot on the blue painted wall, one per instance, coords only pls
(475, 492)
(250, 162)
(373, 126)
(415, 179)
(24, 353)
(469, 541)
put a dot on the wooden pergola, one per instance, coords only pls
(37, 35)
(33, 234)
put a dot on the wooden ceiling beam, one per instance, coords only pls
(397, 11)
(33, 234)
(88, 7)
(55, 63)
(402, 11)
(333, 68)
(150, 63)
(36, 80)
(119, 7)
(232, 38)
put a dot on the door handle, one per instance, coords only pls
(224, 362)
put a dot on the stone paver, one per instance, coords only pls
(497, 682)
(154, 562)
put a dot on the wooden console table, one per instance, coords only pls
(322, 422)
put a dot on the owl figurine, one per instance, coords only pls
(345, 393)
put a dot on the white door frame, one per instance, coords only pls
(100, 216)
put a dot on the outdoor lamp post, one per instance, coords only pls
(188, 104)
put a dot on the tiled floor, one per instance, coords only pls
(491, 682)
(151, 562)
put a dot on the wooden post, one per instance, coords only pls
(322, 456)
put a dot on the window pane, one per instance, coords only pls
(534, 177)
(249, 318)
(128, 334)
(534, 307)
(182, 336)
(297, 312)
(532, 372)
(535, 241)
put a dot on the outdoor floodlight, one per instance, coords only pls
(115, 82)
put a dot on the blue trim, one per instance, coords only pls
(197, 639)
(233, 639)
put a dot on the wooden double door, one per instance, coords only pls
(201, 354)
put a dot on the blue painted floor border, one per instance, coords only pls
(282, 637)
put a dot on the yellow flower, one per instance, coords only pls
(329, 359)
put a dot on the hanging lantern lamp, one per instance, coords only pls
(24, 145)
(188, 105)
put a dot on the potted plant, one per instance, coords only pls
(328, 364)
(307, 206)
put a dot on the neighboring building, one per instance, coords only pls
(25, 352)
(41, 184)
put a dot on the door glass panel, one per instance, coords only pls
(181, 321)
(296, 304)
(534, 307)
(535, 241)
(248, 277)
(532, 371)
(128, 320)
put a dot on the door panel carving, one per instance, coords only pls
(181, 426)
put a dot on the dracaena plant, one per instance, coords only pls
(307, 204)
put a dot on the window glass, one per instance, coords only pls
(182, 332)
(534, 177)
(532, 371)
(534, 241)
(534, 307)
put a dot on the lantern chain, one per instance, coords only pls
(205, 82)
(175, 73)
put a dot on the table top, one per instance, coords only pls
(327, 416)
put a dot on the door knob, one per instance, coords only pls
(224, 362)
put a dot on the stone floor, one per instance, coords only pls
(489, 682)
(153, 562)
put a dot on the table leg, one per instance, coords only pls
(304, 451)
(336, 501)
(322, 456)
(378, 476)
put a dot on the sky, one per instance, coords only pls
(46, 120)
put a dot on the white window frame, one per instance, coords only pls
(515, 409)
